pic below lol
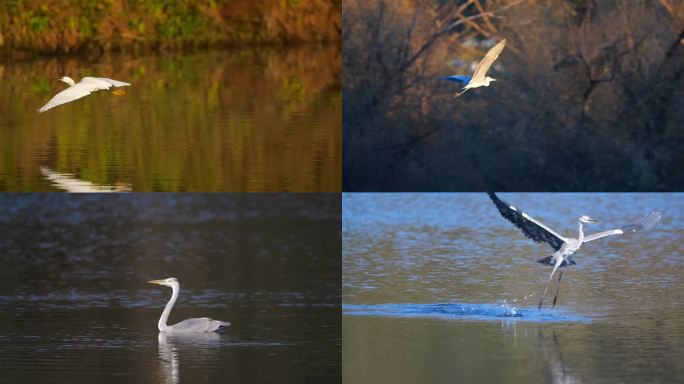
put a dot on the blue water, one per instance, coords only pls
(464, 311)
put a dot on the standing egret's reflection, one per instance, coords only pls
(201, 345)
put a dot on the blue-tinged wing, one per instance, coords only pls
(458, 79)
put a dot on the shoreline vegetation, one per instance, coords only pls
(31, 28)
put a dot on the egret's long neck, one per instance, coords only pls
(167, 310)
(581, 233)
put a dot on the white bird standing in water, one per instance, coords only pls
(200, 325)
(479, 78)
(83, 88)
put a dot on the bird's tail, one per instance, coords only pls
(548, 260)
(462, 91)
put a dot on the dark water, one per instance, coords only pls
(75, 305)
(250, 119)
(441, 288)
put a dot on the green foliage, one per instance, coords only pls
(180, 20)
(38, 22)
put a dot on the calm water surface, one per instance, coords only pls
(441, 288)
(75, 305)
(250, 119)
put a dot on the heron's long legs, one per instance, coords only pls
(457, 94)
(557, 289)
(541, 300)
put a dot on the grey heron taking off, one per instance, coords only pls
(83, 88)
(188, 326)
(479, 78)
(564, 247)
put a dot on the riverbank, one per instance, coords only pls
(32, 27)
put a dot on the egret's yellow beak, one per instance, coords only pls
(119, 92)
(156, 281)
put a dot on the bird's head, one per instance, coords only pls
(67, 80)
(586, 219)
(489, 79)
(169, 282)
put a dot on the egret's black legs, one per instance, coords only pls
(558, 263)
(541, 301)
(557, 289)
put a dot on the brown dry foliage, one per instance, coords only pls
(53, 26)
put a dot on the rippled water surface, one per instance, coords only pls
(75, 305)
(248, 119)
(441, 288)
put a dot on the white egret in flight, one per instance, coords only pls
(83, 88)
(564, 247)
(479, 78)
(203, 324)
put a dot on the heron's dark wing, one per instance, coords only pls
(487, 61)
(458, 79)
(646, 222)
(532, 228)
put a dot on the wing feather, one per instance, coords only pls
(115, 83)
(486, 62)
(646, 222)
(458, 79)
(83, 88)
(203, 324)
(532, 228)
(70, 94)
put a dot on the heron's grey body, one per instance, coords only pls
(198, 325)
(479, 78)
(83, 88)
(565, 248)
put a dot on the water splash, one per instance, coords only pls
(509, 310)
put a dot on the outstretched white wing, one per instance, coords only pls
(487, 61)
(645, 222)
(83, 88)
(115, 83)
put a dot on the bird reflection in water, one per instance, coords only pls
(199, 346)
(69, 183)
(550, 348)
(551, 352)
